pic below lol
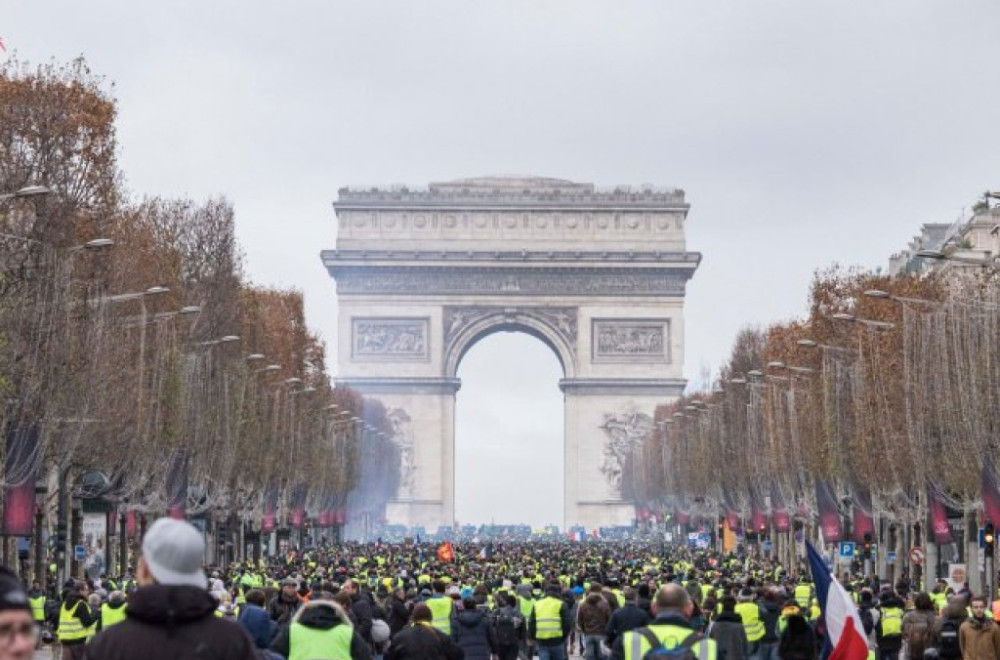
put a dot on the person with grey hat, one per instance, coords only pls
(171, 615)
(18, 631)
(284, 605)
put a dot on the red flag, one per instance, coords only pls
(446, 552)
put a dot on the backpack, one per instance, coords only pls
(948, 646)
(680, 652)
(506, 627)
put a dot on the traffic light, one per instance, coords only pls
(867, 552)
(989, 536)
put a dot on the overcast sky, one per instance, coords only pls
(804, 133)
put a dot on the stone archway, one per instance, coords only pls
(598, 276)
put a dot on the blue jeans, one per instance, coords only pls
(555, 652)
(768, 651)
(592, 647)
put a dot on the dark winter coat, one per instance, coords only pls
(730, 636)
(770, 613)
(282, 609)
(423, 642)
(260, 626)
(165, 623)
(892, 643)
(475, 634)
(322, 615)
(399, 614)
(361, 607)
(628, 617)
(798, 642)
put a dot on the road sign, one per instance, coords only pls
(890, 556)
(79, 552)
(982, 537)
(917, 555)
(847, 549)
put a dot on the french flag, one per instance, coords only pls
(845, 633)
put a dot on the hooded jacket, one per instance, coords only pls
(322, 615)
(260, 626)
(423, 642)
(475, 635)
(730, 636)
(167, 622)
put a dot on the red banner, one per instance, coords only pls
(991, 494)
(829, 514)
(939, 518)
(446, 552)
(20, 463)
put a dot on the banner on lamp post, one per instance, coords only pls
(21, 470)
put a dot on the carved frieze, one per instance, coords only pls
(562, 320)
(520, 281)
(402, 435)
(625, 433)
(389, 338)
(631, 340)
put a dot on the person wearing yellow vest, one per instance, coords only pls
(171, 615)
(550, 623)
(321, 630)
(443, 609)
(37, 600)
(750, 612)
(77, 623)
(803, 595)
(113, 611)
(889, 629)
(672, 608)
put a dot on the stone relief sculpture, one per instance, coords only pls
(486, 281)
(561, 319)
(390, 338)
(402, 435)
(625, 431)
(626, 338)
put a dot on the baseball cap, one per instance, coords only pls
(12, 596)
(173, 550)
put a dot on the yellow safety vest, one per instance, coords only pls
(752, 624)
(111, 616)
(525, 605)
(305, 643)
(37, 608)
(635, 644)
(548, 622)
(890, 623)
(441, 607)
(803, 595)
(70, 628)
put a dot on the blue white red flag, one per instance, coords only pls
(844, 630)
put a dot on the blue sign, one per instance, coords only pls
(890, 556)
(847, 549)
(79, 552)
(767, 546)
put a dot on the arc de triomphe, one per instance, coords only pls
(422, 275)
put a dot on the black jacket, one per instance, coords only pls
(399, 614)
(423, 642)
(165, 623)
(322, 615)
(664, 618)
(628, 617)
(282, 609)
(565, 619)
(81, 610)
(770, 613)
(475, 634)
(361, 606)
